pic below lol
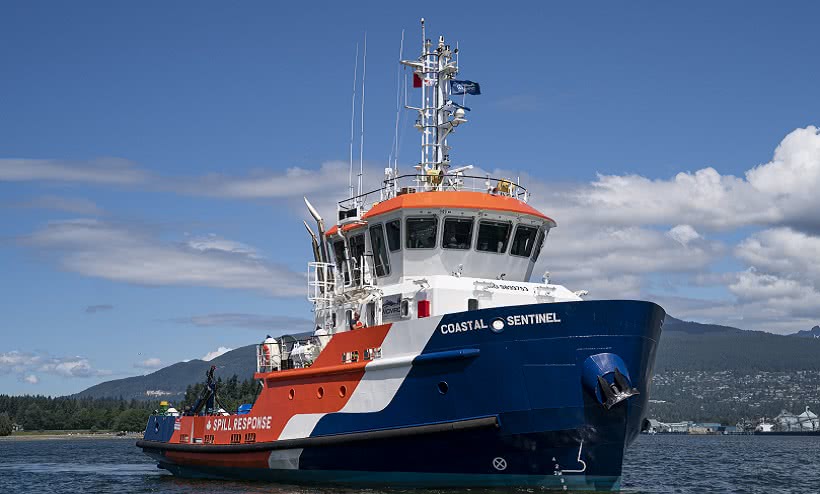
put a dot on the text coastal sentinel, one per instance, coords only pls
(499, 323)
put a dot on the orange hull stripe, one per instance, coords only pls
(277, 406)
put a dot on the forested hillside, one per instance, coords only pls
(687, 346)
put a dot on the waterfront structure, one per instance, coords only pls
(435, 361)
(808, 420)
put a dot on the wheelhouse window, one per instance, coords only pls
(380, 258)
(493, 236)
(357, 253)
(539, 244)
(393, 235)
(523, 240)
(339, 255)
(421, 232)
(458, 233)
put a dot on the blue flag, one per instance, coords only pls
(464, 87)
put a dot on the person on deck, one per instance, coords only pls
(356, 322)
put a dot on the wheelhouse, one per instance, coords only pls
(428, 235)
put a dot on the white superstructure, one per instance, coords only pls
(434, 242)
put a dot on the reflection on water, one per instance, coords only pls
(654, 465)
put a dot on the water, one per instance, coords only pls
(654, 464)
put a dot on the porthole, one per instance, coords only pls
(320, 392)
(443, 387)
(291, 393)
(342, 391)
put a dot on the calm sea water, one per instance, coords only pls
(654, 464)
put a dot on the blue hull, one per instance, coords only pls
(553, 429)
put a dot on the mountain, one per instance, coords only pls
(691, 346)
(808, 333)
(672, 324)
(684, 346)
(169, 383)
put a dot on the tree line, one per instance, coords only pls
(36, 413)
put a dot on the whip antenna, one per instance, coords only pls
(361, 138)
(353, 120)
(395, 150)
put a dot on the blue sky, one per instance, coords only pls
(153, 159)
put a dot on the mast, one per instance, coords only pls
(436, 118)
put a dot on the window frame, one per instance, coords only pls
(376, 256)
(341, 262)
(357, 265)
(435, 217)
(506, 242)
(539, 242)
(387, 236)
(532, 248)
(458, 218)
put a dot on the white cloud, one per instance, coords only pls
(31, 379)
(610, 238)
(272, 324)
(610, 261)
(795, 168)
(213, 242)
(683, 234)
(75, 205)
(150, 363)
(784, 252)
(294, 182)
(22, 363)
(128, 254)
(780, 192)
(216, 353)
(100, 171)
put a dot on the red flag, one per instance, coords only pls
(416, 80)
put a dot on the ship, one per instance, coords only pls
(435, 361)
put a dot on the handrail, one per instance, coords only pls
(438, 183)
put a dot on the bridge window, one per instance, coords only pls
(357, 253)
(393, 235)
(339, 254)
(421, 232)
(380, 259)
(493, 236)
(542, 235)
(458, 233)
(523, 240)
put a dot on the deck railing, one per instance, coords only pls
(408, 184)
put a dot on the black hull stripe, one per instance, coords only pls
(334, 440)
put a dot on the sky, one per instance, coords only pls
(154, 155)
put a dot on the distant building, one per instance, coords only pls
(786, 422)
(656, 427)
(680, 427)
(706, 428)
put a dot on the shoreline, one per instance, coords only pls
(56, 435)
